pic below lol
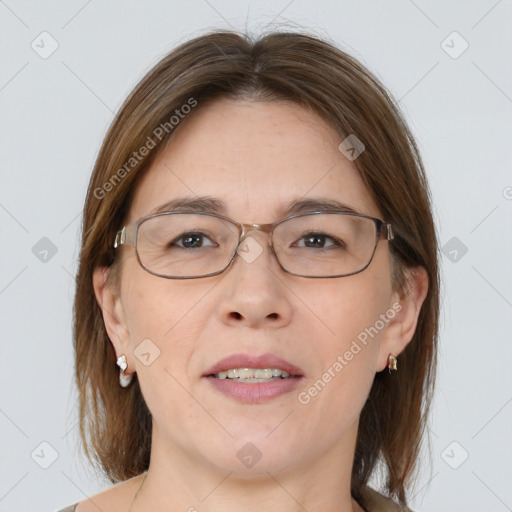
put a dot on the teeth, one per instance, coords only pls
(252, 373)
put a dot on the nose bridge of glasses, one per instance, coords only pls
(264, 228)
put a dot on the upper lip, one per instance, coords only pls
(254, 361)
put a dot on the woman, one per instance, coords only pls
(259, 258)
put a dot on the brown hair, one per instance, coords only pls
(115, 424)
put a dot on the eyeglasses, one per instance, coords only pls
(184, 245)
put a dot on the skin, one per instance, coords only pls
(255, 156)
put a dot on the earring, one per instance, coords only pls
(392, 360)
(124, 379)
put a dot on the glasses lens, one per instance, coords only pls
(325, 244)
(186, 245)
(195, 245)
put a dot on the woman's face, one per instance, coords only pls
(256, 157)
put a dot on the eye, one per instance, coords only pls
(318, 241)
(192, 240)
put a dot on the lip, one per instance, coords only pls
(257, 392)
(254, 361)
(254, 393)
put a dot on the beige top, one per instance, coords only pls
(375, 501)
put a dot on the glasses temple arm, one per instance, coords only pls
(125, 236)
(387, 231)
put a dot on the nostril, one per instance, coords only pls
(273, 316)
(236, 314)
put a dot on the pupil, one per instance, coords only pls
(189, 240)
(315, 240)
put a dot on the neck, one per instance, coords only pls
(176, 480)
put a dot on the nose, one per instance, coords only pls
(254, 293)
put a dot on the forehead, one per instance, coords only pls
(256, 157)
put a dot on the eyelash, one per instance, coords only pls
(337, 242)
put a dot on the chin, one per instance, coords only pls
(255, 454)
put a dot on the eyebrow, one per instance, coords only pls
(210, 204)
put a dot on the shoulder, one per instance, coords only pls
(116, 498)
(71, 508)
(376, 502)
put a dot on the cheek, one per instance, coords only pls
(347, 353)
(165, 319)
(158, 308)
(346, 308)
(352, 316)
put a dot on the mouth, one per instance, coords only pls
(254, 379)
(251, 375)
(255, 368)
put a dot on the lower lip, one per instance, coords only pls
(257, 392)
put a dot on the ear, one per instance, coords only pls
(400, 329)
(114, 316)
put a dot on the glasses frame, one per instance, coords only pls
(128, 236)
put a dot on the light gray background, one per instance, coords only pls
(55, 111)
